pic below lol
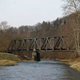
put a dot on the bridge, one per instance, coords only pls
(58, 43)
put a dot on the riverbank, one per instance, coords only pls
(73, 63)
(7, 63)
(7, 59)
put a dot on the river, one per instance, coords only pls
(44, 70)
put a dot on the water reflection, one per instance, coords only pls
(44, 70)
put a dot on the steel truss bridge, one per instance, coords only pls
(48, 43)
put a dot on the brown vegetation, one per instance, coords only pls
(7, 56)
(7, 63)
(73, 63)
(59, 27)
(7, 59)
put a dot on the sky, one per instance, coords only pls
(29, 12)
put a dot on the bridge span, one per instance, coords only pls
(54, 45)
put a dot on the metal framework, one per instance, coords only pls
(47, 43)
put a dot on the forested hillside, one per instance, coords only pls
(60, 27)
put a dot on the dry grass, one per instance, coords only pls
(7, 59)
(7, 63)
(76, 66)
(73, 63)
(7, 56)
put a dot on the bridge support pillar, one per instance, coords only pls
(36, 55)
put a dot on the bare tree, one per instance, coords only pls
(70, 7)
(4, 25)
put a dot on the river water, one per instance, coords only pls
(44, 70)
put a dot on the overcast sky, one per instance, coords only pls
(29, 12)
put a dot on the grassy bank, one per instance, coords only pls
(7, 59)
(7, 63)
(73, 63)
